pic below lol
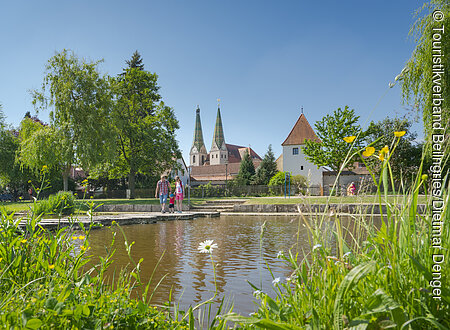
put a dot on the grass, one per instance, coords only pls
(366, 276)
(49, 280)
(24, 206)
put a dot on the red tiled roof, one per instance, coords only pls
(301, 132)
(217, 172)
(235, 153)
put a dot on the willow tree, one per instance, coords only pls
(428, 74)
(79, 100)
(143, 125)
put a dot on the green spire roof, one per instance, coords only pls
(218, 137)
(198, 133)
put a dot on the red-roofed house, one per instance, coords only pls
(293, 159)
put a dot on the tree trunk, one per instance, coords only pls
(66, 178)
(131, 182)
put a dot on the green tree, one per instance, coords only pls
(8, 147)
(12, 174)
(135, 62)
(267, 168)
(421, 84)
(80, 102)
(143, 124)
(246, 170)
(406, 159)
(332, 150)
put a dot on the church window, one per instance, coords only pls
(295, 151)
(193, 159)
(301, 167)
(203, 159)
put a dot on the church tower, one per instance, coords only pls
(198, 151)
(219, 153)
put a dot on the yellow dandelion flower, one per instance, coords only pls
(51, 266)
(23, 241)
(83, 248)
(81, 237)
(383, 152)
(1, 259)
(368, 152)
(74, 237)
(399, 134)
(349, 139)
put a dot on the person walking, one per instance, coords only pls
(163, 189)
(179, 194)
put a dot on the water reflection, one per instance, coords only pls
(190, 273)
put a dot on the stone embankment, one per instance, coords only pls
(121, 219)
(315, 208)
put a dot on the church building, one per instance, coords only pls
(223, 161)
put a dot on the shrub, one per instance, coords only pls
(62, 203)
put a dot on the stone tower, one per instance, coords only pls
(198, 151)
(219, 153)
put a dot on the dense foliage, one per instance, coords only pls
(332, 150)
(49, 280)
(144, 127)
(266, 169)
(422, 86)
(79, 99)
(246, 172)
(406, 160)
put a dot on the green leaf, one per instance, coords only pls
(380, 302)
(350, 280)
(262, 323)
(33, 324)
(191, 319)
(86, 310)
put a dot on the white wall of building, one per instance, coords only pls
(298, 164)
(183, 173)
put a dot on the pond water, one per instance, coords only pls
(189, 274)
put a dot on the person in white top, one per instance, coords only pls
(179, 194)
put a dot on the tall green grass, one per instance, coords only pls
(49, 280)
(371, 274)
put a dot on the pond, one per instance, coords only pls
(189, 274)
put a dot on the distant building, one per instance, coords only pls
(222, 163)
(293, 159)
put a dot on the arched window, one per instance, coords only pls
(193, 159)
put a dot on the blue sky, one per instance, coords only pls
(263, 59)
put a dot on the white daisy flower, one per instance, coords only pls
(317, 246)
(257, 293)
(275, 281)
(346, 254)
(280, 255)
(207, 246)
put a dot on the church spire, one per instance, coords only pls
(218, 138)
(198, 133)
